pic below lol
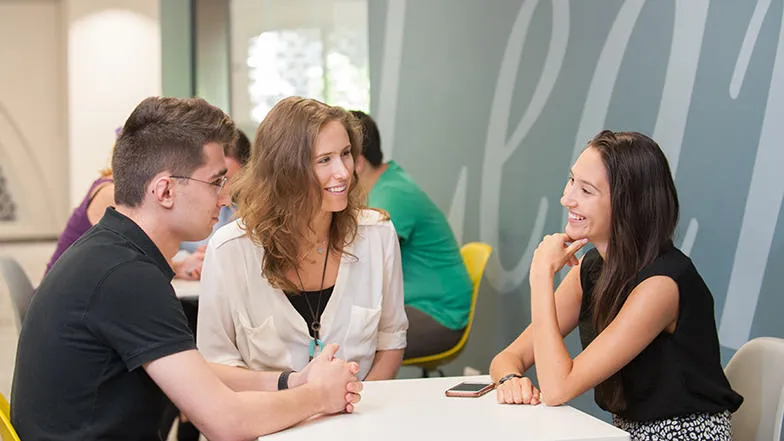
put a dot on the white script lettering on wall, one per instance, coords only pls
(765, 193)
(498, 148)
(762, 205)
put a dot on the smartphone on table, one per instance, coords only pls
(470, 389)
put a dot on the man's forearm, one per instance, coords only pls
(241, 379)
(256, 414)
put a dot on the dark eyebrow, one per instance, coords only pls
(219, 174)
(329, 153)
(583, 181)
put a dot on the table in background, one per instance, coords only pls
(188, 293)
(186, 289)
(409, 410)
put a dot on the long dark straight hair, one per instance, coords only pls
(644, 214)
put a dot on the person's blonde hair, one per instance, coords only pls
(107, 171)
(275, 193)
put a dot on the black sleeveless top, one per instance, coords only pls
(676, 374)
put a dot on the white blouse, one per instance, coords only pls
(243, 321)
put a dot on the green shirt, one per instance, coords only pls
(435, 279)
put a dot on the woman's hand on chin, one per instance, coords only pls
(553, 253)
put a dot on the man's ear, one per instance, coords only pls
(162, 189)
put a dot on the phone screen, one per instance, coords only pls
(469, 387)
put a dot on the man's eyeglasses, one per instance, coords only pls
(220, 182)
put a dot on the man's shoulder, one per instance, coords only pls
(403, 201)
(397, 187)
(95, 255)
(139, 272)
(396, 179)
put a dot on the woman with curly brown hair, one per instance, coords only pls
(305, 264)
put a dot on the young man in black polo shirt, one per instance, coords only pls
(105, 344)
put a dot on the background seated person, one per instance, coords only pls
(304, 264)
(436, 283)
(650, 346)
(99, 196)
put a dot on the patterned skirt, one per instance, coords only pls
(697, 427)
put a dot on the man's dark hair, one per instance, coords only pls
(165, 134)
(371, 140)
(240, 150)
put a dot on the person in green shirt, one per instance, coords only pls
(436, 284)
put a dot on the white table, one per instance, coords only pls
(186, 289)
(410, 410)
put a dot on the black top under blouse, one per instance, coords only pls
(300, 302)
(676, 374)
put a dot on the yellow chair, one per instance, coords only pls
(475, 255)
(5, 407)
(7, 432)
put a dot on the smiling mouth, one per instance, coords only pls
(337, 189)
(575, 217)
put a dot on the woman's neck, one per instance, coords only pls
(602, 249)
(318, 234)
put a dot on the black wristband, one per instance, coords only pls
(508, 377)
(283, 379)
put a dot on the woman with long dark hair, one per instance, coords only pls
(650, 346)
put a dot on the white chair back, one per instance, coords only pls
(19, 286)
(756, 371)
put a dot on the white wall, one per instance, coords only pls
(71, 71)
(114, 61)
(33, 147)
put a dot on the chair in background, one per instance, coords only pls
(19, 286)
(475, 255)
(5, 407)
(756, 371)
(7, 432)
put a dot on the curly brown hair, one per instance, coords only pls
(275, 192)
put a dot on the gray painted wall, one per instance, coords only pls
(177, 48)
(195, 50)
(486, 103)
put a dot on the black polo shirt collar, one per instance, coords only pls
(119, 223)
